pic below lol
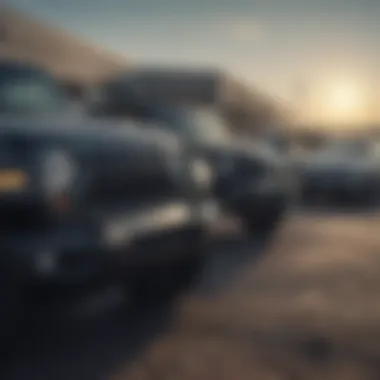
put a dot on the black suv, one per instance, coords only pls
(251, 179)
(84, 202)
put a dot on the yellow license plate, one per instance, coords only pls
(11, 180)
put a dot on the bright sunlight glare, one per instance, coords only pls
(343, 102)
(345, 97)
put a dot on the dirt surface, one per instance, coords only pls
(303, 307)
(92, 337)
(307, 310)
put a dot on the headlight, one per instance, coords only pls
(185, 169)
(57, 173)
(201, 173)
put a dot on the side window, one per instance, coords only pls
(25, 92)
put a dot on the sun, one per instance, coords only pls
(345, 97)
(343, 102)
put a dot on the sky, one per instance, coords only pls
(322, 56)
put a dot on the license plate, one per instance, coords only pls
(11, 180)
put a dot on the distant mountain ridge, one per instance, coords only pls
(80, 63)
(25, 39)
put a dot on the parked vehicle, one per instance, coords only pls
(249, 179)
(343, 170)
(84, 203)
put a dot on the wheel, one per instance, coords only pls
(264, 224)
(160, 283)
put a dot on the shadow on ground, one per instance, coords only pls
(92, 346)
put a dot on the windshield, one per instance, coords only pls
(202, 124)
(25, 90)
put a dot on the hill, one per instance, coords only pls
(23, 38)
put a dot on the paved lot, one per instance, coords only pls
(305, 307)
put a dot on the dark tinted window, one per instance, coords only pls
(203, 124)
(28, 90)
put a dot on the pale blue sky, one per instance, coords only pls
(282, 46)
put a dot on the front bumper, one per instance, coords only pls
(160, 234)
(68, 255)
(79, 254)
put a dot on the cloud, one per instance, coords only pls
(247, 31)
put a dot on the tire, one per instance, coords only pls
(160, 283)
(265, 224)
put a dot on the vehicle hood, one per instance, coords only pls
(78, 127)
(339, 163)
(250, 150)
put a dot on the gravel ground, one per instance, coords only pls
(307, 310)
